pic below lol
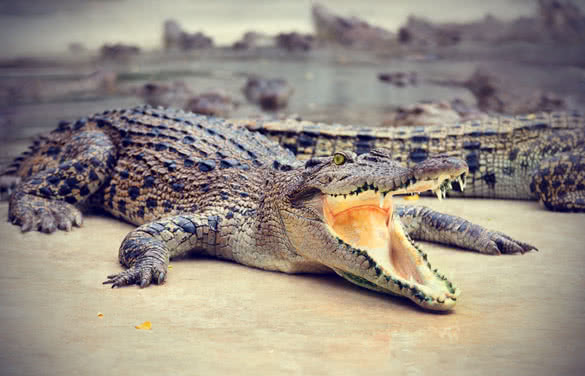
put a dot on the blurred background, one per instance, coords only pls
(372, 63)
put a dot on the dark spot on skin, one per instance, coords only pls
(580, 187)
(476, 134)
(560, 169)
(244, 194)
(257, 162)
(312, 163)
(80, 123)
(490, 179)
(189, 163)
(229, 215)
(168, 206)
(63, 125)
(93, 176)
(102, 122)
(71, 200)
(471, 145)
(53, 151)
(126, 142)
(36, 181)
(472, 160)
(64, 190)
(139, 157)
(111, 162)
(223, 195)
(306, 140)
(228, 163)
(543, 187)
(54, 179)
(188, 140)
(206, 165)
(95, 162)
(45, 191)
(160, 146)
(133, 192)
(84, 191)
(124, 174)
(140, 212)
(148, 182)
(556, 184)
(178, 187)
(204, 188)
(150, 203)
(292, 148)
(79, 167)
(362, 147)
(170, 165)
(513, 154)
(418, 155)
(420, 139)
(72, 182)
(122, 206)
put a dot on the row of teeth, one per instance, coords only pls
(441, 192)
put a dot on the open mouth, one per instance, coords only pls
(364, 220)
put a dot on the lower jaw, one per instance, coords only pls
(403, 267)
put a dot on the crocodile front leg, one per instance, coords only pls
(423, 223)
(58, 180)
(146, 251)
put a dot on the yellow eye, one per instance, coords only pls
(338, 159)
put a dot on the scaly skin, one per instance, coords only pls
(197, 184)
(534, 157)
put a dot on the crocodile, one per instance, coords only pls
(532, 157)
(195, 184)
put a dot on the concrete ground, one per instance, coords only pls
(517, 315)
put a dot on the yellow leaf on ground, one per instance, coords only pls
(170, 266)
(411, 197)
(100, 315)
(147, 325)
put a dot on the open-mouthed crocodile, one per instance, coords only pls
(196, 184)
(538, 156)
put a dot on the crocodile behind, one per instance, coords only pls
(537, 156)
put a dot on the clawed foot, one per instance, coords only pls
(142, 274)
(501, 243)
(37, 213)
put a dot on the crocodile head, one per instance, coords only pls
(339, 213)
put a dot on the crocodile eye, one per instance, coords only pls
(338, 159)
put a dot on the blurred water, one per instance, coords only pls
(37, 27)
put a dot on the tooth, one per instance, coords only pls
(381, 200)
(439, 194)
